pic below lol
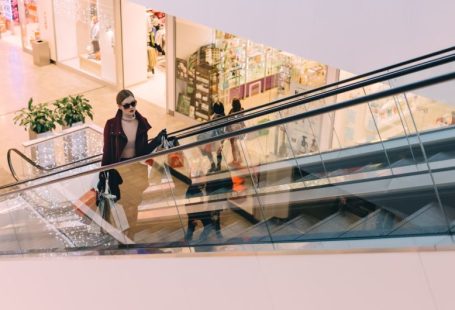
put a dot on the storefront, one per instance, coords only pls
(144, 52)
(19, 22)
(9, 17)
(85, 37)
(216, 66)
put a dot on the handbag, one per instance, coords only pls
(118, 215)
(108, 208)
(110, 179)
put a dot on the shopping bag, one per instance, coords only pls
(175, 160)
(118, 215)
(89, 199)
(108, 207)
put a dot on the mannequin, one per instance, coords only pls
(151, 52)
(94, 37)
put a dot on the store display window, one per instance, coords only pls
(156, 39)
(214, 64)
(28, 14)
(6, 15)
(85, 36)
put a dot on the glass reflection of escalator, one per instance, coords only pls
(30, 224)
(400, 186)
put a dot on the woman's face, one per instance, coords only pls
(128, 106)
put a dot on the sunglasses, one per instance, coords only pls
(128, 105)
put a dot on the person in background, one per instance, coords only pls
(236, 108)
(94, 37)
(218, 112)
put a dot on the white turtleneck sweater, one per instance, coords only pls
(130, 129)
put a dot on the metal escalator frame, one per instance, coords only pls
(39, 167)
(230, 119)
(322, 110)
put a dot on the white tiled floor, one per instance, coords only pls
(154, 89)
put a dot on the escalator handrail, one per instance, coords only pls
(227, 135)
(315, 90)
(230, 119)
(37, 166)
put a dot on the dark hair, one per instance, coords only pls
(236, 105)
(122, 95)
(218, 108)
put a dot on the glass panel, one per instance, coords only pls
(432, 109)
(11, 209)
(84, 36)
(218, 200)
(330, 99)
(363, 198)
(74, 148)
(391, 117)
(220, 193)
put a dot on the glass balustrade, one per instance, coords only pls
(372, 168)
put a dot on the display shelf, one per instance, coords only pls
(201, 82)
(206, 85)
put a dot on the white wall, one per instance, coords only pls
(46, 24)
(134, 34)
(65, 30)
(354, 35)
(107, 47)
(408, 280)
(190, 37)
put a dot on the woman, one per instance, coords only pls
(236, 108)
(218, 112)
(125, 137)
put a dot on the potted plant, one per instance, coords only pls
(72, 110)
(38, 119)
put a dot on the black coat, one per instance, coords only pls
(115, 138)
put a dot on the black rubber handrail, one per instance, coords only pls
(37, 166)
(315, 90)
(230, 119)
(227, 135)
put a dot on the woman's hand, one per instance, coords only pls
(162, 134)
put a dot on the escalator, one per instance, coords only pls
(81, 147)
(379, 187)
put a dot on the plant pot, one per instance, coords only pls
(33, 135)
(73, 125)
